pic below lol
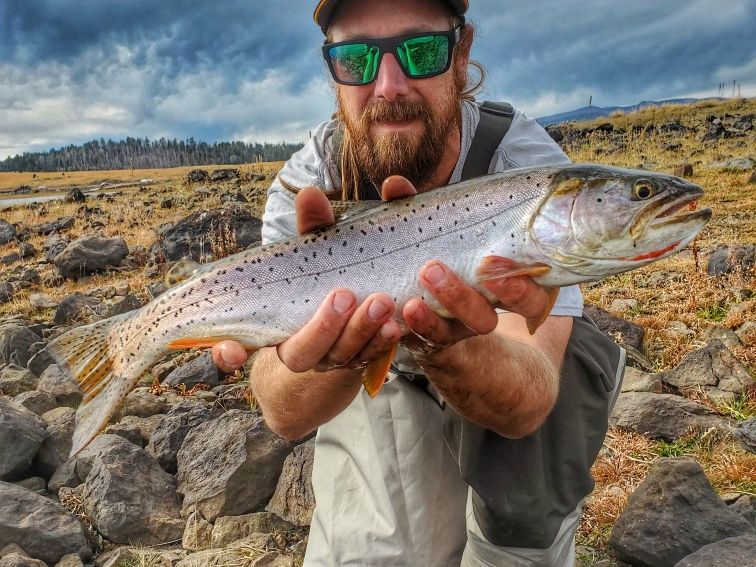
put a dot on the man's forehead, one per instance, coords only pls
(363, 19)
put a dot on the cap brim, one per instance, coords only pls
(325, 9)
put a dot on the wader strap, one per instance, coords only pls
(495, 120)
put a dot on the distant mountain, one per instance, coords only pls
(591, 112)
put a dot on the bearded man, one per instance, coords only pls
(388, 490)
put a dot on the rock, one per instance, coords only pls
(728, 259)
(638, 381)
(21, 434)
(624, 304)
(78, 308)
(680, 329)
(747, 332)
(745, 505)
(15, 343)
(224, 174)
(728, 337)
(65, 391)
(74, 196)
(54, 245)
(229, 529)
(752, 178)
(6, 292)
(130, 499)
(27, 250)
(119, 557)
(15, 380)
(293, 499)
(41, 301)
(129, 303)
(90, 255)
(169, 435)
(7, 232)
(683, 170)
(57, 446)
(35, 483)
(619, 329)
(197, 176)
(62, 223)
(193, 236)
(230, 465)
(674, 512)
(746, 434)
(198, 532)
(85, 458)
(555, 131)
(129, 431)
(141, 403)
(43, 528)
(663, 416)
(713, 370)
(12, 548)
(247, 552)
(201, 370)
(64, 475)
(36, 401)
(40, 361)
(70, 560)
(156, 288)
(17, 560)
(735, 164)
(729, 552)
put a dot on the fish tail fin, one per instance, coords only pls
(84, 354)
(374, 374)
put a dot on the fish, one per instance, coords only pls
(562, 225)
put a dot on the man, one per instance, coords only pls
(387, 489)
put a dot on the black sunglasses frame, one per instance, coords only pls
(391, 45)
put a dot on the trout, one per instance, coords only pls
(561, 225)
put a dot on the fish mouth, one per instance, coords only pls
(666, 212)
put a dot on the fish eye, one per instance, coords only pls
(643, 190)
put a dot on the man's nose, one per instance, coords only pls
(391, 81)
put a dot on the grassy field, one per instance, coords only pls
(688, 295)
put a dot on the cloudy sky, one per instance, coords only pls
(73, 70)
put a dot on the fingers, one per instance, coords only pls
(229, 356)
(313, 210)
(396, 187)
(518, 294)
(431, 327)
(339, 331)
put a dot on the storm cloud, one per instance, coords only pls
(73, 70)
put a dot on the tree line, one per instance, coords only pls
(138, 153)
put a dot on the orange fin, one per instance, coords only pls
(374, 375)
(198, 342)
(535, 322)
(496, 267)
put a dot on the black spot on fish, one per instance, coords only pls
(239, 269)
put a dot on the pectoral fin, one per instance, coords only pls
(535, 322)
(497, 268)
(374, 375)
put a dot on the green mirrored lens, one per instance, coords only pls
(424, 55)
(355, 63)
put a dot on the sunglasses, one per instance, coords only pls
(420, 55)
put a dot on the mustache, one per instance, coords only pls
(385, 111)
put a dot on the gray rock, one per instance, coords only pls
(745, 505)
(70, 560)
(54, 245)
(728, 259)
(728, 337)
(7, 232)
(17, 560)
(60, 224)
(65, 391)
(226, 174)
(119, 557)
(90, 255)
(85, 458)
(15, 380)
(230, 465)
(735, 164)
(674, 512)
(663, 416)
(21, 434)
(39, 362)
(624, 304)
(746, 434)
(169, 435)
(27, 250)
(36, 401)
(6, 292)
(129, 303)
(130, 499)
(197, 533)
(193, 235)
(141, 403)
(15, 343)
(201, 370)
(12, 548)
(229, 529)
(11, 258)
(40, 526)
(197, 176)
(293, 499)
(78, 308)
(75, 196)
(41, 301)
(56, 447)
(738, 551)
(35, 483)
(713, 370)
(64, 475)
(129, 431)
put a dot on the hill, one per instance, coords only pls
(591, 112)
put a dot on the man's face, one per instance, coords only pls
(398, 125)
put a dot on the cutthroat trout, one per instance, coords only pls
(561, 225)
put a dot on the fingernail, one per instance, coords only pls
(435, 275)
(377, 310)
(342, 302)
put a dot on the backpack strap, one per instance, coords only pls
(495, 120)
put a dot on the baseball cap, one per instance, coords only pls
(326, 8)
